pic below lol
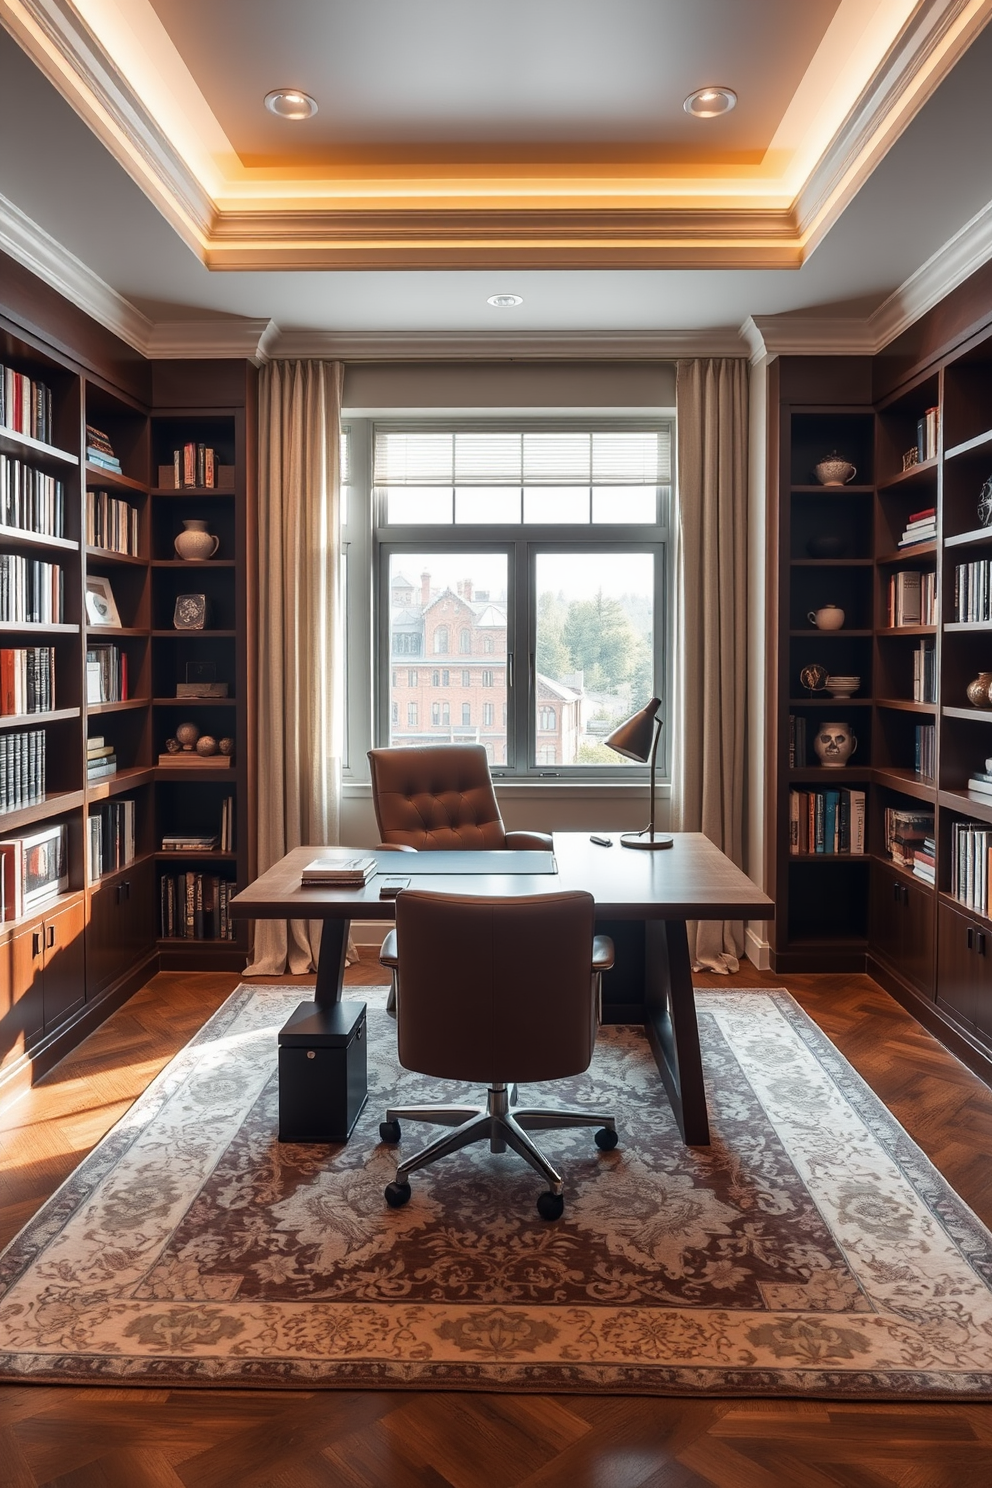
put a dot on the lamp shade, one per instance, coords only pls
(635, 737)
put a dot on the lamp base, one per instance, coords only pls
(638, 839)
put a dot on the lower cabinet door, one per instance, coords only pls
(959, 964)
(122, 926)
(65, 964)
(902, 929)
(22, 1009)
(137, 912)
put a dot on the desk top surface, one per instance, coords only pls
(692, 880)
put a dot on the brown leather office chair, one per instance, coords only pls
(498, 991)
(437, 797)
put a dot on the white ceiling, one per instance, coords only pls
(935, 179)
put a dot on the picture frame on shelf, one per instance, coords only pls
(101, 607)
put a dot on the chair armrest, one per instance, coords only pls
(394, 847)
(534, 841)
(389, 955)
(602, 953)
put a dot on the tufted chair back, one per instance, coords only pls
(440, 796)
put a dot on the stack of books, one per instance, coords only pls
(921, 527)
(30, 499)
(190, 841)
(926, 435)
(27, 679)
(973, 590)
(827, 821)
(905, 833)
(343, 868)
(925, 753)
(106, 674)
(101, 760)
(970, 842)
(925, 861)
(981, 781)
(100, 451)
(797, 741)
(25, 406)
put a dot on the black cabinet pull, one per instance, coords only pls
(980, 937)
(36, 943)
(971, 937)
(49, 936)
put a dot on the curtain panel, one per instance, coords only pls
(299, 641)
(708, 780)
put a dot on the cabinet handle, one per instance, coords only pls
(36, 943)
(980, 938)
(971, 937)
(127, 889)
(49, 936)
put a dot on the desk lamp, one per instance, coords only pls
(637, 739)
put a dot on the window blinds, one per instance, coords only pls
(522, 457)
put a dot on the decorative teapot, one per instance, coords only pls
(195, 544)
(830, 617)
(834, 744)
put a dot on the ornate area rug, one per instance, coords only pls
(811, 1250)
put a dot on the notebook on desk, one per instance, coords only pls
(446, 864)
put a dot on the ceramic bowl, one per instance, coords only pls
(835, 471)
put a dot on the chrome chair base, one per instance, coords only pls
(500, 1122)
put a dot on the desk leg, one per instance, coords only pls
(330, 962)
(670, 1024)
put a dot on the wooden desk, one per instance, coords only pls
(648, 895)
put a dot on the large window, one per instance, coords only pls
(542, 550)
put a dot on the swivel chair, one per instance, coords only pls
(497, 991)
(438, 797)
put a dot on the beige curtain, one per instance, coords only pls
(708, 781)
(299, 706)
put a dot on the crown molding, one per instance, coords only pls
(222, 211)
(420, 346)
(57, 39)
(933, 39)
(806, 335)
(202, 339)
(40, 253)
(951, 265)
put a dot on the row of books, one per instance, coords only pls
(31, 499)
(926, 435)
(912, 598)
(110, 837)
(973, 590)
(100, 451)
(925, 672)
(925, 751)
(27, 680)
(827, 821)
(101, 760)
(106, 674)
(195, 906)
(797, 741)
(22, 768)
(970, 844)
(25, 405)
(195, 465)
(31, 590)
(111, 523)
(222, 841)
(921, 527)
(905, 832)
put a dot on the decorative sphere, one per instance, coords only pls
(173, 746)
(187, 734)
(206, 744)
(226, 746)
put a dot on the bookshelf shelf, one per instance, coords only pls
(204, 567)
(98, 478)
(969, 715)
(21, 538)
(35, 453)
(25, 720)
(975, 445)
(109, 555)
(917, 475)
(126, 779)
(55, 803)
(125, 705)
(36, 628)
(978, 536)
(905, 705)
(908, 554)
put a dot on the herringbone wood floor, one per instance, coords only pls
(108, 1438)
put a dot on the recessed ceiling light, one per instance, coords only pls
(707, 103)
(502, 302)
(290, 103)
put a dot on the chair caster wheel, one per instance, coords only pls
(397, 1194)
(605, 1139)
(389, 1131)
(550, 1205)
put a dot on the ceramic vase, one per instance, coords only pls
(834, 744)
(980, 691)
(195, 544)
(830, 617)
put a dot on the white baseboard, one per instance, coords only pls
(370, 932)
(757, 950)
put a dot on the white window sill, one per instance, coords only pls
(580, 790)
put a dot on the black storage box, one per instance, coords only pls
(323, 1072)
